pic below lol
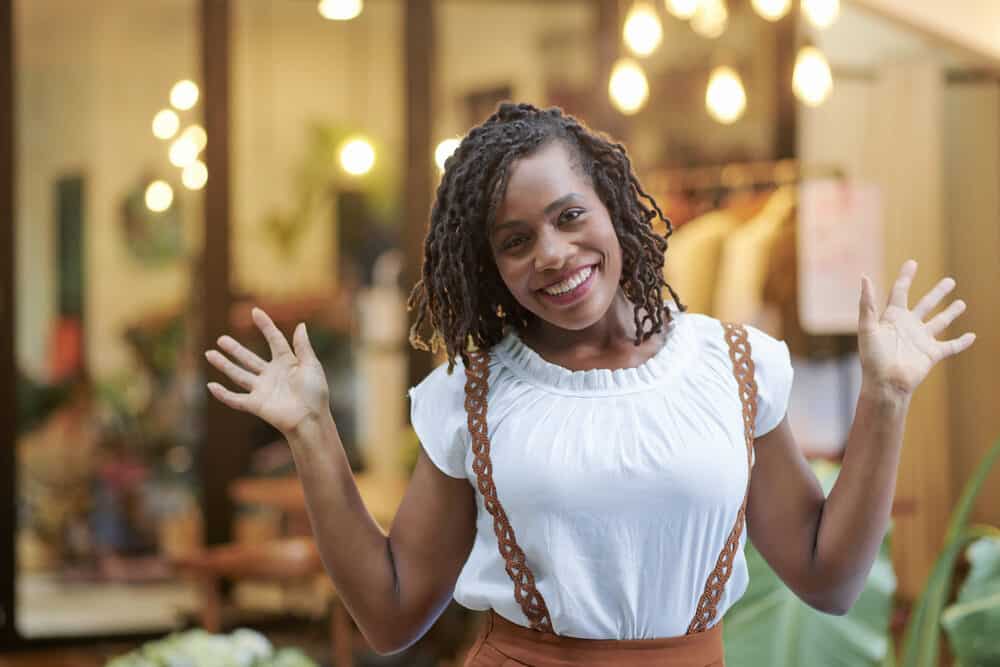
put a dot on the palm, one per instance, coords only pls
(284, 391)
(898, 348)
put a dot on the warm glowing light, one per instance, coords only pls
(159, 196)
(195, 175)
(183, 151)
(444, 151)
(725, 98)
(184, 95)
(682, 9)
(821, 13)
(642, 32)
(340, 10)
(772, 10)
(165, 124)
(711, 18)
(357, 157)
(196, 135)
(628, 87)
(812, 80)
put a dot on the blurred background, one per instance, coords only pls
(167, 164)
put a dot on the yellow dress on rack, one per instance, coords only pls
(743, 264)
(692, 258)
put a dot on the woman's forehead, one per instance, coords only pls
(538, 179)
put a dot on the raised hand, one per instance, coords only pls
(285, 391)
(898, 348)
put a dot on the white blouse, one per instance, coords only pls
(621, 486)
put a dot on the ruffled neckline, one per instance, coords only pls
(525, 362)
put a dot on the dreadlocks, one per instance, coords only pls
(461, 294)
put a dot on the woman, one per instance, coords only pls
(588, 477)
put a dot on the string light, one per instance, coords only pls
(165, 124)
(159, 196)
(184, 95)
(357, 156)
(725, 97)
(772, 10)
(444, 151)
(183, 151)
(195, 175)
(812, 80)
(642, 32)
(682, 9)
(340, 10)
(711, 18)
(196, 135)
(628, 87)
(821, 13)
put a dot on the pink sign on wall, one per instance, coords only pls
(840, 237)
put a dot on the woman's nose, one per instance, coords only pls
(551, 251)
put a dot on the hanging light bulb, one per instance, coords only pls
(444, 151)
(184, 95)
(642, 32)
(812, 80)
(628, 87)
(159, 196)
(195, 175)
(710, 19)
(682, 9)
(725, 97)
(340, 10)
(821, 13)
(196, 135)
(165, 124)
(772, 10)
(357, 156)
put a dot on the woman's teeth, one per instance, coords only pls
(569, 283)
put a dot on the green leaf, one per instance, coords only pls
(972, 624)
(921, 643)
(770, 626)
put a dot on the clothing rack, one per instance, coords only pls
(739, 176)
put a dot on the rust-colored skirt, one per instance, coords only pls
(505, 644)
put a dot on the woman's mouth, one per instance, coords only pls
(572, 289)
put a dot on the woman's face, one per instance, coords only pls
(553, 241)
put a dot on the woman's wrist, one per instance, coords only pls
(312, 430)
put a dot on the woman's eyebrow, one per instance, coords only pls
(548, 210)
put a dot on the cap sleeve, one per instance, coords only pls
(773, 374)
(437, 413)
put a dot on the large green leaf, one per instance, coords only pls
(771, 627)
(973, 622)
(921, 644)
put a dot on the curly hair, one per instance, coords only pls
(461, 295)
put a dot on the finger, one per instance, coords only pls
(901, 288)
(230, 370)
(229, 398)
(275, 339)
(303, 348)
(867, 315)
(941, 321)
(956, 345)
(249, 360)
(933, 298)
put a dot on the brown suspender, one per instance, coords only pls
(530, 598)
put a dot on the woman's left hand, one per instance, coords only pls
(898, 348)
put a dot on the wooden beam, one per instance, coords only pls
(223, 451)
(418, 67)
(785, 104)
(8, 318)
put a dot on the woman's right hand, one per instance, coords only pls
(286, 391)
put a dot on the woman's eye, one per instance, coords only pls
(512, 242)
(571, 215)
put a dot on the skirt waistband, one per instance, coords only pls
(501, 642)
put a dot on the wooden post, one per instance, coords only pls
(223, 451)
(8, 381)
(418, 53)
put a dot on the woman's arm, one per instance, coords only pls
(823, 549)
(395, 585)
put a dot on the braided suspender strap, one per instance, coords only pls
(531, 600)
(525, 593)
(743, 370)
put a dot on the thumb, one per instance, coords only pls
(300, 341)
(867, 315)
